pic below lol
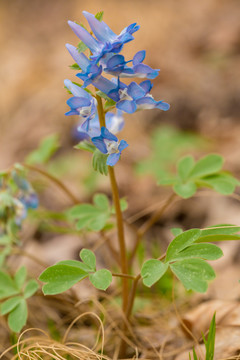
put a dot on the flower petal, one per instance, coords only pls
(80, 58)
(78, 102)
(127, 106)
(135, 91)
(146, 70)
(146, 86)
(76, 90)
(98, 141)
(100, 29)
(107, 135)
(139, 57)
(113, 159)
(84, 35)
(163, 105)
(123, 145)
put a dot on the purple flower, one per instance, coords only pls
(91, 128)
(108, 143)
(82, 103)
(116, 65)
(106, 40)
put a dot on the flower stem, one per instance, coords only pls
(120, 228)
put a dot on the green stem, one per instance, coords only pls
(120, 228)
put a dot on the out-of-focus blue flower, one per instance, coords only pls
(20, 211)
(116, 65)
(106, 40)
(91, 128)
(108, 143)
(82, 103)
(30, 200)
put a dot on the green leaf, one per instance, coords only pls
(10, 304)
(30, 288)
(75, 263)
(101, 201)
(202, 251)
(219, 183)
(43, 153)
(101, 279)
(185, 190)
(18, 317)
(75, 67)
(85, 145)
(152, 271)
(99, 162)
(5, 240)
(89, 258)
(99, 15)
(185, 166)
(7, 286)
(20, 277)
(193, 273)
(220, 229)
(213, 238)
(92, 217)
(123, 205)
(210, 343)
(81, 47)
(181, 242)
(209, 164)
(176, 231)
(60, 278)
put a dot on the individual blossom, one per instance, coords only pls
(108, 143)
(117, 66)
(91, 128)
(82, 103)
(106, 40)
(132, 97)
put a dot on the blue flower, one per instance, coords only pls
(108, 143)
(82, 103)
(30, 200)
(106, 40)
(132, 97)
(91, 128)
(116, 65)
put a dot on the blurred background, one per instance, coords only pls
(196, 44)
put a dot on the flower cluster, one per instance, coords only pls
(104, 57)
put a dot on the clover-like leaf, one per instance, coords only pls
(152, 271)
(89, 258)
(185, 190)
(30, 288)
(181, 242)
(10, 304)
(185, 166)
(207, 165)
(202, 251)
(92, 217)
(20, 277)
(193, 273)
(18, 316)
(7, 286)
(60, 278)
(101, 279)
